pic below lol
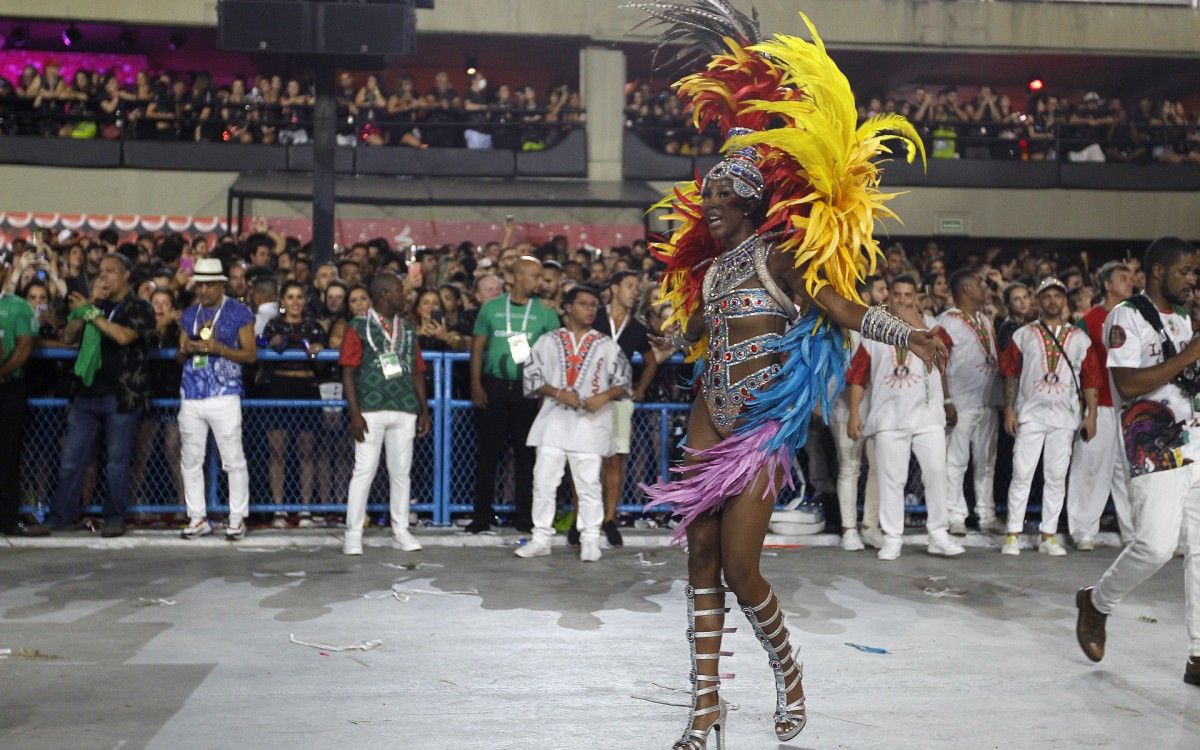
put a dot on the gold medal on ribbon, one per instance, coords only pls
(206, 333)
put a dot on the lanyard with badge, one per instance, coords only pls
(518, 343)
(612, 326)
(390, 361)
(206, 333)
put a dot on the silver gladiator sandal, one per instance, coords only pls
(790, 718)
(694, 738)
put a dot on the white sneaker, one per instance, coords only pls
(940, 543)
(352, 545)
(279, 521)
(305, 522)
(589, 550)
(235, 530)
(403, 539)
(873, 537)
(1012, 545)
(1085, 544)
(197, 528)
(851, 542)
(1051, 547)
(890, 549)
(534, 548)
(958, 528)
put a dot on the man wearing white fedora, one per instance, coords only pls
(216, 338)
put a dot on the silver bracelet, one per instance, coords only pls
(679, 342)
(880, 325)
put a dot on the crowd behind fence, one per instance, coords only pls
(443, 464)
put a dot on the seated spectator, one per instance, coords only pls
(402, 109)
(1041, 129)
(295, 110)
(371, 103)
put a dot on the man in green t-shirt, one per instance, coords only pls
(18, 331)
(504, 334)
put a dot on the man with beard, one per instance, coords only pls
(1044, 369)
(1151, 354)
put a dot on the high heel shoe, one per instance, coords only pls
(791, 717)
(693, 738)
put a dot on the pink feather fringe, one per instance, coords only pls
(722, 472)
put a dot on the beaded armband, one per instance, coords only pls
(880, 325)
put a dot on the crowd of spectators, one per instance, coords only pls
(268, 109)
(305, 306)
(987, 125)
(297, 300)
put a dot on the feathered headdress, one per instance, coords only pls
(784, 103)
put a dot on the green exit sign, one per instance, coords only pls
(951, 225)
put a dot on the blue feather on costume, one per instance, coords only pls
(814, 359)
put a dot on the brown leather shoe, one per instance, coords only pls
(1089, 626)
(1191, 673)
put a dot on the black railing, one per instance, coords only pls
(269, 124)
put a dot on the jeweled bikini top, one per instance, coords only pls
(724, 298)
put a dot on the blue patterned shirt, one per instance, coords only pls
(221, 377)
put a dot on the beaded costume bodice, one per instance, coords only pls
(737, 288)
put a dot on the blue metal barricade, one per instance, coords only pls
(302, 452)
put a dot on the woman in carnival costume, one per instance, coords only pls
(788, 214)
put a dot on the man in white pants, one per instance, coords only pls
(907, 414)
(975, 392)
(873, 291)
(1157, 385)
(216, 337)
(577, 371)
(384, 385)
(1045, 367)
(1098, 465)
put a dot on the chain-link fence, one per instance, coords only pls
(301, 455)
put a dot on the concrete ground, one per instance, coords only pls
(149, 642)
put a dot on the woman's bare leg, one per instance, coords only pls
(743, 531)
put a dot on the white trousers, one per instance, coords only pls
(850, 455)
(1098, 468)
(1053, 445)
(892, 448)
(975, 434)
(548, 474)
(223, 415)
(1163, 503)
(393, 432)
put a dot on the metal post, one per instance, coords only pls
(324, 154)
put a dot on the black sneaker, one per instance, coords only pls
(613, 533)
(478, 526)
(111, 530)
(573, 537)
(20, 528)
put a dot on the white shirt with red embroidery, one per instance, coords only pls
(905, 393)
(971, 372)
(1046, 392)
(587, 365)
